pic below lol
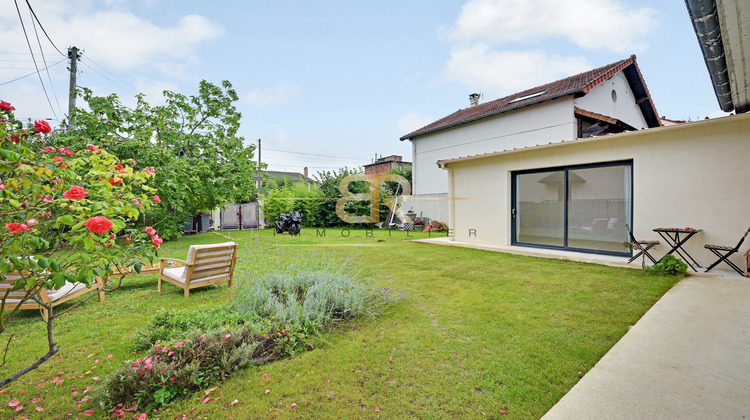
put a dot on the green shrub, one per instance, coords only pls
(166, 373)
(171, 326)
(670, 265)
(271, 318)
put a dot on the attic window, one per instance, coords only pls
(529, 96)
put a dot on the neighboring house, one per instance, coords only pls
(294, 176)
(386, 164)
(609, 99)
(578, 194)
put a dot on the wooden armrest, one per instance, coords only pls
(163, 261)
(747, 253)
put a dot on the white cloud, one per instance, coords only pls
(608, 25)
(113, 36)
(499, 73)
(281, 93)
(413, 121)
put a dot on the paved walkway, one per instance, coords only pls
(688, 357)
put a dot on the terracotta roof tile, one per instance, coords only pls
(579, 83)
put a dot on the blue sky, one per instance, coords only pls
(330, 84)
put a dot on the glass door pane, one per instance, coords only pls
(540, 208)
(599, 207)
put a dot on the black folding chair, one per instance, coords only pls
(641, 246)
(723, 252)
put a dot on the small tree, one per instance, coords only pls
(62, 210)
(191, 141)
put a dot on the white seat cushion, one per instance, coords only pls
(178, 274)
(67, 289)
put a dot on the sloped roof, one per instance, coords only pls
(295, 176)
(578, 84)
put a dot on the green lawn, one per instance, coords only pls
(479, 332)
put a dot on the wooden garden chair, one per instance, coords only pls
(641, 246)
(205, 264)
(723, 252)
(20, 298)
(747, 263)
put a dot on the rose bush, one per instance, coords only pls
(62, 213)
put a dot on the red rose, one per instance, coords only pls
(119, 167)
(63, 166)
(98, 224)
(42, 127)
(15, 227)
(15, 139)
(6, 106)
(157, 199)
(75, 193)
(68, 152)
(115, 181)
(48, 149)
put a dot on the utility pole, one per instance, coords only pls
(73, 56)
(260, 174)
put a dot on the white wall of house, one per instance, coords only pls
(549, 121)
(620, 105)
(688, 175)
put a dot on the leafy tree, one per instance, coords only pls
(330, 183)
(62, 210)
(191, 141)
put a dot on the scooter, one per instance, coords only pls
(289, 223)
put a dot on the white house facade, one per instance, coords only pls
(578, 195)
(613, 96)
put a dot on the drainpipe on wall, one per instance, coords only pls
(705, 20)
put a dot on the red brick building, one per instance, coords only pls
(386, 164)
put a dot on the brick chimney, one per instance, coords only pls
(306, 176)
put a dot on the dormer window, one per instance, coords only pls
(529, 96)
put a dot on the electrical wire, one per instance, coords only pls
(114, 75)
(105, 76)
(41, 50)
(43, 30)
(309, 154)
(32, 73)
(26, 35)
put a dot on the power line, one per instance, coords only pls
(43, 30)
(105, 76)
(114, 75)
(41, 50)
(31, 74)
(310, 154)
(32, 56)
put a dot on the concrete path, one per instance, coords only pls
(687, 358)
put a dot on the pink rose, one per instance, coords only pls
(156, 240)
(31, 222)
(151, 231)
(98, 224)
(75, 193)
(92, 148)
(42, 127)
(149, 170)
(58, 159)
(157, 199)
